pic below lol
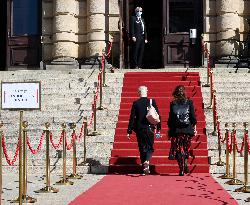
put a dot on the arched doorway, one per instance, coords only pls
(168, 23)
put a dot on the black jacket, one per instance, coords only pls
(138, 120)
(173, 129)
(136, 28)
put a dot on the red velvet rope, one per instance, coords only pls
(225, 138)
(95, 99)
(91, 120)
(219, 133)
(56, 146)
(73, 139)
(35, 151)
(78, 137)
(247, 141)
(236, 144)
(211, 81)
(10, 162)
(103, 62)
(99, 82)
(109, 49)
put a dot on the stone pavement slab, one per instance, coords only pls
(35, 182)
(239, 196)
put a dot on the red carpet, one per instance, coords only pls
(196, 189)
(125, 156)
(163, 189)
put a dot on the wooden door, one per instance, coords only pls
(23, 33)
(179, 16)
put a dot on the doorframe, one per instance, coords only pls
(126, 34)
(165, 28)
(8, 32)
(126, 20)
(3, 44)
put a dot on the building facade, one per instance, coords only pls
(68, 31)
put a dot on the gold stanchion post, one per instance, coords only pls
(234, 181)
(208, 74)
(214, 133)
(212, 92)
(227, 175)
(64, 181)
(74, 175)
(100, 106)
(84, 140)
(245, 188)
(24, 198)
(94, 132)
(1, 163)
(220, 162)
(104, 72)
(48, 188)
(20, 197)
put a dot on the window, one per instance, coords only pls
(181, 15)
(26, 15)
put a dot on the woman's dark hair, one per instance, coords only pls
(179, 93)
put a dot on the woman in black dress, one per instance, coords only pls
(182, 127)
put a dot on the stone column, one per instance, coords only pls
(209, 10)
(228, 26)
(95, 27)
(65, 27)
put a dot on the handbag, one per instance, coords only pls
(152, 116)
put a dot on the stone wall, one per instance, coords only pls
(73, 29)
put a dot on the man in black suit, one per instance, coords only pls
(139, 37)
(143, 129)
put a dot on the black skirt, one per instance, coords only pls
(180, 146)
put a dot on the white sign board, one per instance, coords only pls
(21, 96)
(193, 33)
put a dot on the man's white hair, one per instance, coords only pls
(138, 9)
(143, 91)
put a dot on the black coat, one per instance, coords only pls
(136, 28)
(138, 120)
(173, 129)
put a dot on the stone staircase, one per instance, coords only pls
(233, 99)
(67, 97)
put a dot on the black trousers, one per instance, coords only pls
(145, 140)
(138, 51)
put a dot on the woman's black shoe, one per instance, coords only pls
(186, 170)
(181, 173)
(171, 157)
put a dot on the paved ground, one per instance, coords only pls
(63, 197)
(239, 196)
(68, 193)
